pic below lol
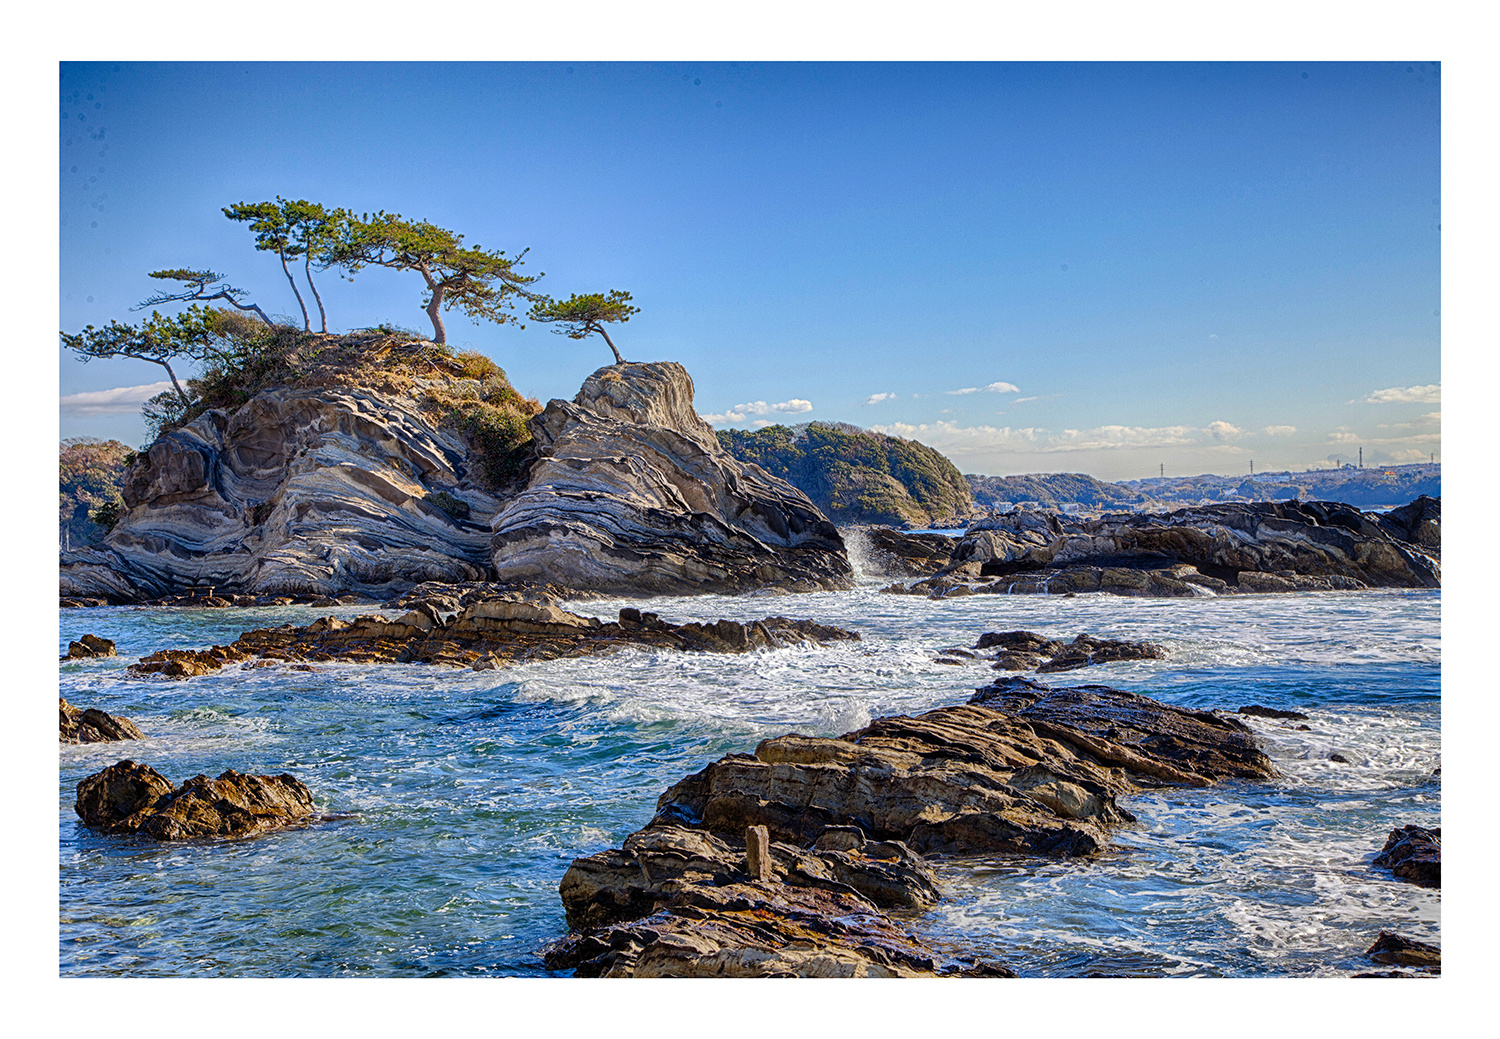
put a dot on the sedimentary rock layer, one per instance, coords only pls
(786, 861)
(299, 491)
(492, 632)
(1218, 549)
(631, 494)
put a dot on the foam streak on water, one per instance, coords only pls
(472, 791)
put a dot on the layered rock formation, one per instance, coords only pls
(1216, 549)
(132, 798)
(352, 480)
(632, 494)
(304, 489)
(90, 646)
(492, 632)
(788, 860)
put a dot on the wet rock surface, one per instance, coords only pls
(1396, 950)
(488, 633)
(1027, 650)
(846, 823)
(1237, 548)
(1414, 854)
(89, 646)
(131, 798)
(899, 553)
(93, 725)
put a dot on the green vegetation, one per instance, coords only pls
(157, 339)
(856, 476)
(583, 316)
(291, 230)
(91, 474)
(480, 283)
(455, 507)
(198, 285)
(1050, 490)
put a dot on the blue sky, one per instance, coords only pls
(1100, 268)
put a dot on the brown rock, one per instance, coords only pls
(132, 798)
(90, 646)
(1404, 952)
(93, 725)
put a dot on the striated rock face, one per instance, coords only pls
(1257, 541)
(313, 490)
(132, 798)
(93, 725)
(1025, 650)
(632, 494)
(898, 553)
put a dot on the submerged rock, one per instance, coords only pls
(632, 494)
(491, 632)
(1404, 952)
(93, 725)
(132, 798)
(1414, 854)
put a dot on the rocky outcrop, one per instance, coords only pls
(899, 553)
(313, 490)
(1414, 854)
(132, 798)
(492, 632)
(90, 646)
(92, 725)
(1026, 650)
(1216, 549)
(787, 861)
(1398, 950)
(631, 494)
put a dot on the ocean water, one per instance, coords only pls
(467, 794)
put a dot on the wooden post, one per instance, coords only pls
(758, 853)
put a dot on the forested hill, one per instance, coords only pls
(90, 475)
(856, 476)
(1051, 491)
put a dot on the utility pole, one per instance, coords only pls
(1252, 467)
(1164, 470)
(1361, 457)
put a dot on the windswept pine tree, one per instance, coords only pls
(199, 285)
(293, 229)
(583, 316)
(477, 281)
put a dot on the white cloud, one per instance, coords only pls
(1343, 436)
(1406, 395)
(876, 398)
(994, 387)
(1280, 431)
(740, 412)
(1224, 431)
(122, 400)
(949, 437)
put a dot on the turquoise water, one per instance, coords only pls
(469, 793)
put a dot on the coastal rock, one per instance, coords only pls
(490, 632)
(898, 553)
(132, 798)
(845, 824)
(1250, 547)
(1400, 951)
(90, 646)
(1414, 854)
(302, 490)
(93, 725)
(1025, 650)
(631, 494)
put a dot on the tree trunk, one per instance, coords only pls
(236, 303)
(175, 384)
(439, 335)
(607, 339)
(306, 321)
(322, 314)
